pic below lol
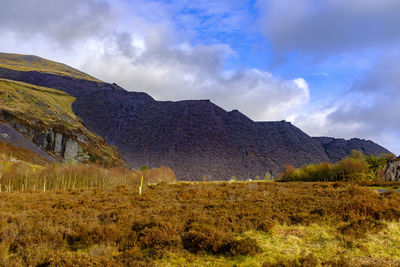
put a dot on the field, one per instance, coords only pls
(202, 224)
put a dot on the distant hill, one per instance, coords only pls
(337, 148)
(196, 138)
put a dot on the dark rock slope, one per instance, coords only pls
(72, 86)
(336, 148)
(196, 139)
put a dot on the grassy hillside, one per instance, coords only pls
(44, 108)
(202, 224)
(34, 63)
(50, 107)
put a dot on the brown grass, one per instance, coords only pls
(117, 227)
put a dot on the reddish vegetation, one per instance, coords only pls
(117, 227)
(21, 153)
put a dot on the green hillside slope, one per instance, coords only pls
(45, 116)
(34, 63)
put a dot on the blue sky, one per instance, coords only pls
(330, 67)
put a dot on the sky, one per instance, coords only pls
(330, 67)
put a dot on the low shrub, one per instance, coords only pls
(207, 238)
(361, 227)
(245, 246)
(356, 167)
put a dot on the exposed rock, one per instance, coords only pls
(392, 170)
(55, 143)
(58, 144)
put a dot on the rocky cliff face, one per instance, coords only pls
(392, 170)
(53, 142)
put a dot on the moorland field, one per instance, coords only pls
(202, 224)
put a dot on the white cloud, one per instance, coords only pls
(188, 72)
(323, 28)
(369, 109)
(145, 49)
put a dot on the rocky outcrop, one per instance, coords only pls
(392, 170)
(54, 143)
(337, 148)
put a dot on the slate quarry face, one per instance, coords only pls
(196, 138)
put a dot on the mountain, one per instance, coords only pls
(196, 138)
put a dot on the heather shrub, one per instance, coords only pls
(152, 234)
(207, 238)
(359, 228)
(245, 246)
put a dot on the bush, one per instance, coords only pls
(207, 238)
(356, 167)
(246, 246)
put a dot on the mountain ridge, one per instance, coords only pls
(196, 138)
